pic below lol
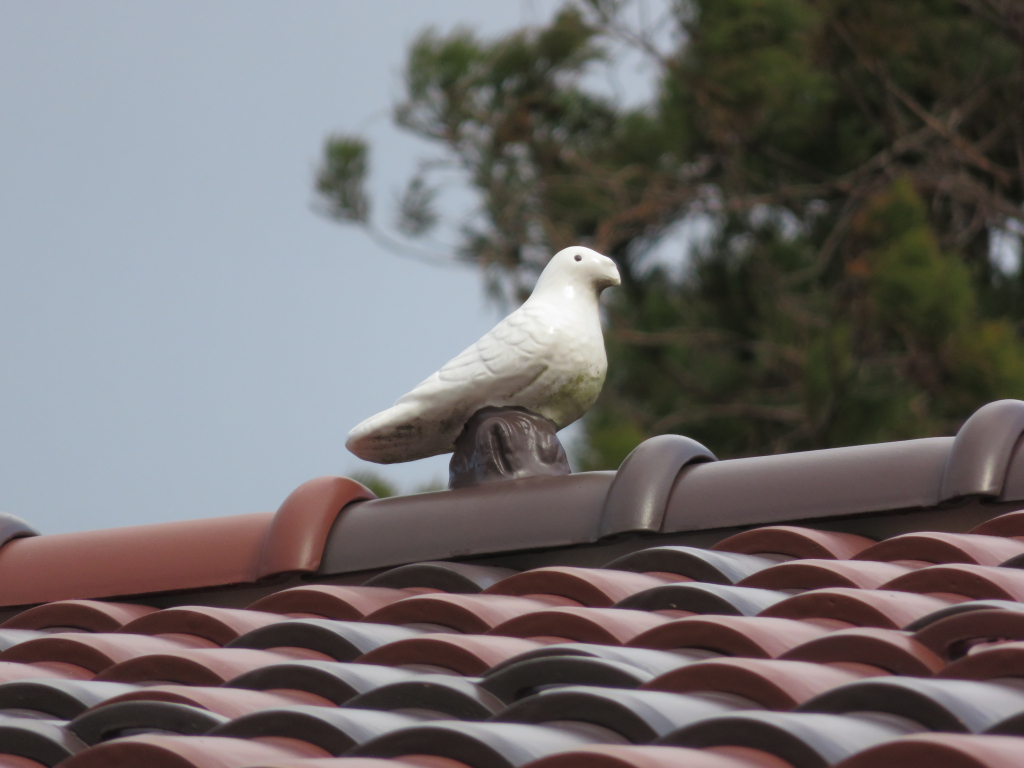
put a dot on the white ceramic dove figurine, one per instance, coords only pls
(547, 357)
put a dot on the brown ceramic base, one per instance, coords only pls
(505, 444)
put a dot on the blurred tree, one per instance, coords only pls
(376, 482)
(847, 169)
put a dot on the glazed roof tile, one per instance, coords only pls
(773, 612)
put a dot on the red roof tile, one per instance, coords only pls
(87, 615)
(941, 547)
(463, 613)
(190, 667)
(754, 637)
(656, 757)
(953, 636)
(894, 651)
(178, 752)
(978, 582)
(95, 652)
(465, 655)
(593, 587)
(329, 600)
(563, 639)
(817, 574)
(604, 626)
(772, 684)
(940, 749)
(860, 607)
(218, 625)
(795, 542)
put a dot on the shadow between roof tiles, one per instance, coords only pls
(800, 645)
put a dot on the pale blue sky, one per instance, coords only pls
(180, 335)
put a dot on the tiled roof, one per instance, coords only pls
(882, 628)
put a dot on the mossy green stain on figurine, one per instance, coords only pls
(580, 391)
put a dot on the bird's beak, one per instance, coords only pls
(610, 278)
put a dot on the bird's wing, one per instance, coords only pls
(426, 421)
(504, 361)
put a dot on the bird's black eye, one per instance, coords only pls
(578, 257)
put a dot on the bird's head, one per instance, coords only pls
(577, 269)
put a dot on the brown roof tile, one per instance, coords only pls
(339, 640)
(444, 696)
(978, 582)
(462, 654)
(770, 683)
(817, 574)
(10, 671)
(613, 756)
(694, 597)
(942, 547)
(156, 751)
(13, 761)
(329, 601)
(703, 565)
(953, 636)
(958, 706)
(604, 626)
(804, 740)
(176, 556)
(795, 542)
(752, 636)
(1005, 659)
(229, 702)
(1010, 524)
(906, 611)
(860, 607)
(334, 681)
(892, 650)
(940, 749)
(218, 625)
(87, 615)
(639, 716)
(189, 666)
(464, 613)
(592, 587)
(95, 652)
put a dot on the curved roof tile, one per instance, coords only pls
(474, 614)
(921, 624)
(463, 654)
(803, 740)
(639, 716)
(329, 601)
(959, 706)
(770, 683)
(942, 547)
(604, 626)
(892, 650)
(218, 625)
(978, 582)
(86, 615)
(946, 749)
(860, 607)
(334, 681)
(818, 574)
(795, 542)
(340, 640)
(592, 587)
(693, 563)
(751, 636)
(158, 751)
(614, 756)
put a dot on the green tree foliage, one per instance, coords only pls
(847, 165)
(380, 485)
